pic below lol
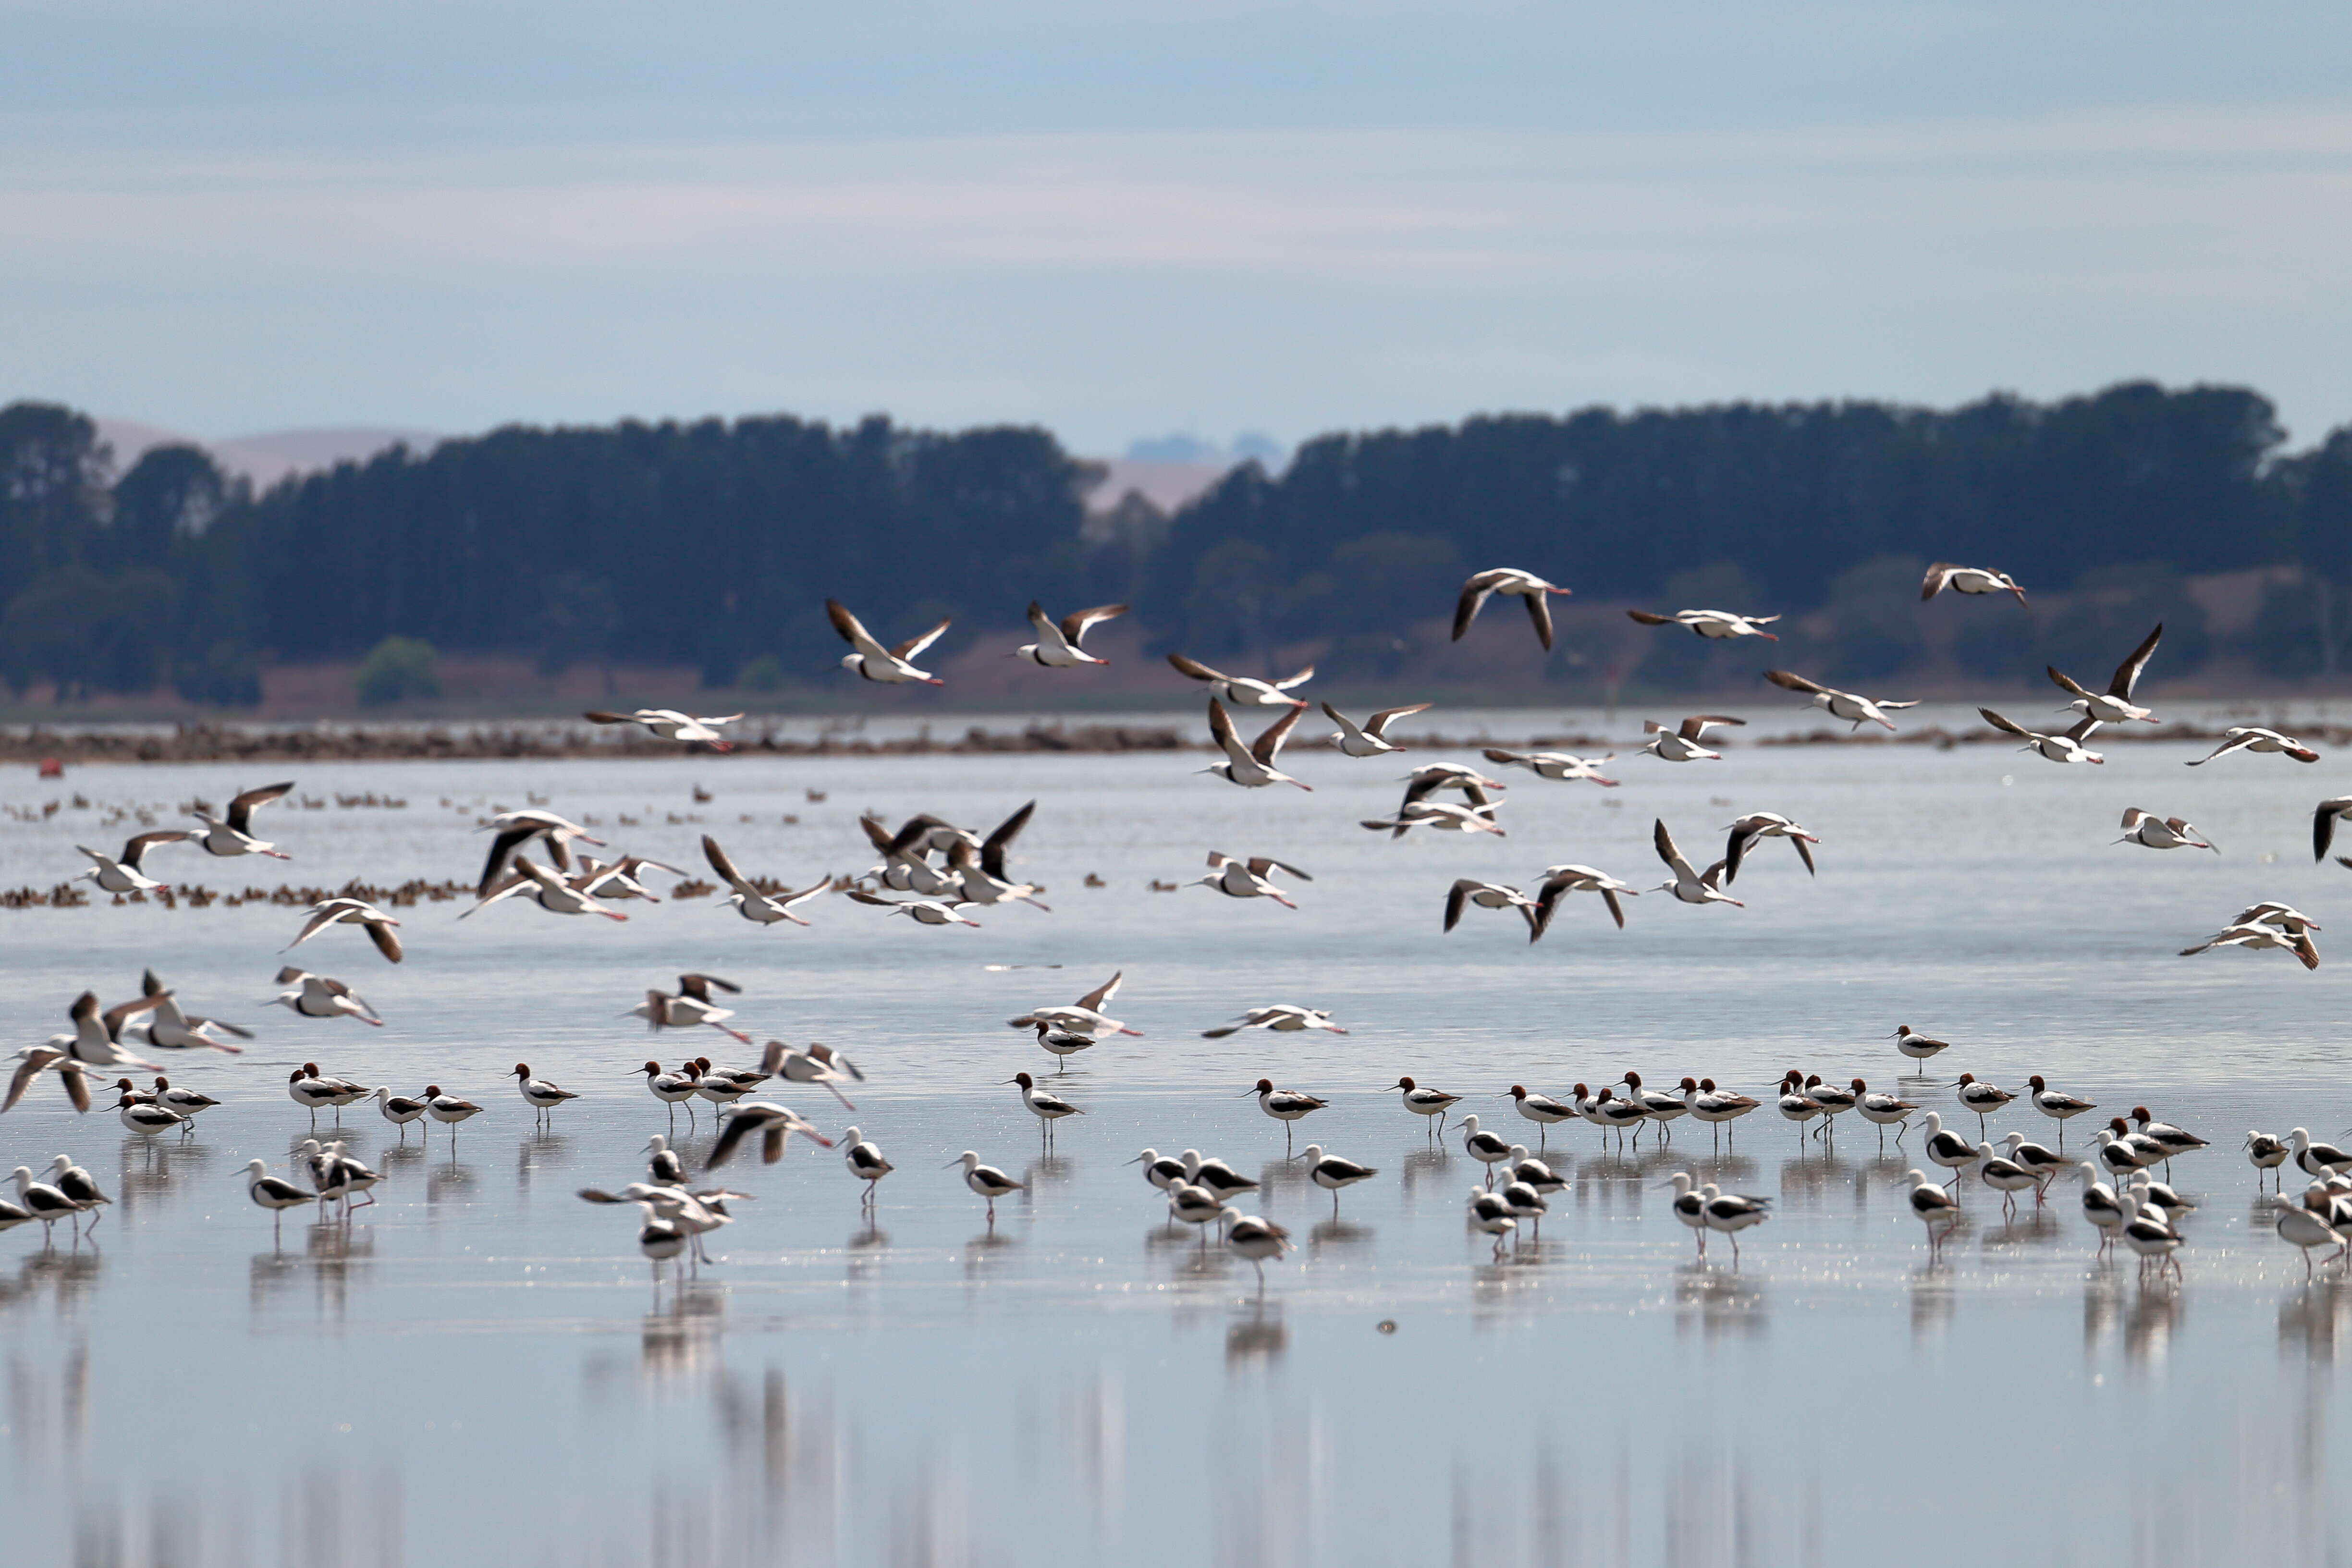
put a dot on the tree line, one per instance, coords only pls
(716, 542)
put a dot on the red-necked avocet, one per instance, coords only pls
(1467, 890)
(2175, 1139)
(171, 1029)
(234, 835)
(1284, 1105)
(1526, 585)
(1542, 1110)
(872, 661)
(2058, 1107)
(1282, 1017)
(748, 900)
(187, 1102)
(1971, 579)
(448, 1110)
(146, 1118)
(2260, 937)
(1426, 1103)
(1882, 1110)
(2250, 738)
(1561, 881)
(1984, 1098)
(2115, 705)
(1718, 1107)
(1044, 1104)
(539, 1094)
(922, 911)
(1855, 709)
(1917, 1045)
(378, 925)
(96, 1038)
(672, 1088)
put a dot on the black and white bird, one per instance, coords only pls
(2320, 1159)
(317, 996)
(669, 724)
(233, 835)
(1728, 1213)
(1557, 765)
(1284, 1105)
(1242, 690)
(770, 1123)
(1761, 825)
(979, 872)
(2160, 832)
(1252, 766)
(1045, 1105)
(1716, 625)
(171, 1029)
(122, 873)
(2115, 705)
(1059, 643)
(2259, 936)
(922, 911)
(865, 1160)
(1971, 579)
(275, 1193)
(1561, 881)
(538, 1094)
(1251, 879)
(1490, 1213)
(1855, 709)
(146, 1118)
(34, 1060)
(989, 1182)
(2065, 748)
(1086, 1016)
(2059, 1108)
(1525, 585)
(761, 907)
(1935, 1208)
(1920, 1047)
(379, 926)
(1282, 1017)
(1468, 890)
(1371, 738)
(872, 661)
(1689, 885)
(1331, 1174)
(517, 829)
(2251, 738)
(1685, 742)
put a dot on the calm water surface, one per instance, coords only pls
(480, 1370)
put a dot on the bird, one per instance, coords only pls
(447, 1110)
(171, 1029)
(1485, 585)
(575, 895)
(1058, 644)
(515, 829)
(1795, 1105)
(1558, 765)
(922, 911)
(1716, 626)
(1682, 743)
(812, 1063)
(1252, 766)
(1943, 575)
(669, 724)
(1257, 1239)
(1160, 1171)
(1716, 1107)
(1689, 1208)
(2322, 824)
(2113, 706)
(1882, 1110)
(2257, 937)
(1044, 1104)
(1062, 1043)
(663, 1164)
(1197, 1206)
(1284, 1105)
(1283, 1017)
(317, 996)
(1749, 829)
(2043, 1161)
(121, 873)
(1982, 1098)
(1688, 886)
(772, 1123)
(1467, 890)
(34, 1060)
(1857, 711)
(673, 1088)
(188, 1102)
(2247, 737)
(865, 1160)
(1440, 815)
(2317, 1159)
(906, 865)
(1250, 878)
(2155, 1195)
(872, 661)
(2005, 1176)
(1934, 1207)
(1484, 1146)
(1243, 691)
(1559, 880)
(1917, 1045)
(759, 908)
(2160, 832)
(146, 1117)
(1086, 1016)
(2065, 748)
(78, 1185)
(273, 1193)
(2057, 1106)
(1728, 1213)
(692, 1004)
(378, 925)
(2148, 1234)
(1490, 1213)
(306, 1088)
(1215, 1174)
(1948, 1149)
(1542, 1110)
(234, 835)
(989, 1182)
(96, 1038)
(2099, 1204)
(1658, 1106)
(1370, 738)
(539, 1094)
(1330, 1172)
(398, 1109)
(2174, 1139)
(2306, 1224)
(1426, 1102)
(980, 872)
(2265, 1152)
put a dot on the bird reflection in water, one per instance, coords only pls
(2311, 1319)
(540, 1152)
(1258, 1336)
(681, 1338)
(1716, 1302)
(66, 1275)
(1048, 1171)
(449, 1184)
(1338, 1236)
(2149, 1325)
(1426, 1165)
(332, 1255)
(152, 1167)
(1933, 1300)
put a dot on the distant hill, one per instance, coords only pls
(271, 456)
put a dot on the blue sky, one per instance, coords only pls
(1125, 219)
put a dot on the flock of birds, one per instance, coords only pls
(931, 872)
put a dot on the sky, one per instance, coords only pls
(1123, 219)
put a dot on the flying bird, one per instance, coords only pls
(1370, 738)
(234, 836)
(1283, 1017)
(2323, 824)
(1489, 896)
(1943, 575)
(2065, 748)
(170, 1029)
(317, 996)
(761, 909)
(1855, 709)
(1086, 1016)
(1716, 626)
(2160, 832)
(890, 666)
(2258, 937)
(1252, 766)
(980, 872)
(1690, 887)
(518, 828)
(1559, 880)
(2243, 738)
(1529, 587)
(1555, 764)
(1747, 830)
(2113, 706)
(1251, 879)
(358, 913)
(1241, 691)
(1057, 646)
(121, 873)
(669, 724)
(1682, 743)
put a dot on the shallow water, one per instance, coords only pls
(480, 1369)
